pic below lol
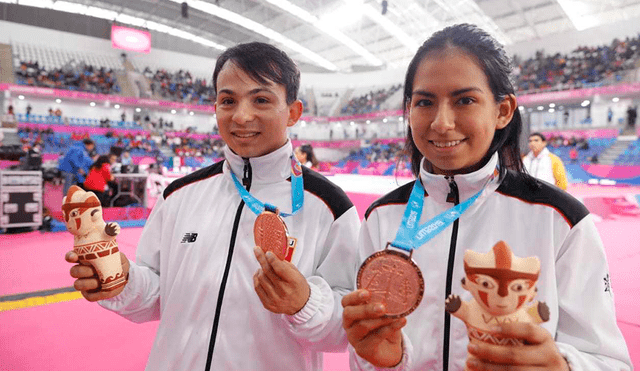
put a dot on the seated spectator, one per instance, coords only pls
(305, 155)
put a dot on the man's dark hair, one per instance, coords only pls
(495, 63)
(537, 134)
(88, 142)
(262, 62)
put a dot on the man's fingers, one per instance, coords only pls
(262, 281)
(85, 284)
(81, 271)
(71, 257)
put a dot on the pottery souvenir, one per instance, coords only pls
(503, 287)
(94, 240)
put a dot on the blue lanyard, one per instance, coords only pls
(410, 235)
(297, 193)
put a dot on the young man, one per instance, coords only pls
(543, 164)
(223, 304)
(75, 164)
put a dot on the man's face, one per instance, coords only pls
(536, 144)
(89, 147)
(252, 117)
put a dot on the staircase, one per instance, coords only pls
(6, 64)
(611, 154)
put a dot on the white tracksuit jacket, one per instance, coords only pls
(195, 265)
(547, 223)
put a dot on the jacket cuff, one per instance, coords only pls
(310, 308)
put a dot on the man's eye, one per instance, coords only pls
(262, 100)
(465, 100)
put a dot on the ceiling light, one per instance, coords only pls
(256, 27)
(552, 110)
(138, 109)
(191, 113)
(92, 104)
(540, 108)
(116, 106)
(615, 100)
(551, 105)
(585, 103)
(173, 111)
(21, 97)
(58, 100)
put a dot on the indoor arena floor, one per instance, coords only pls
(45, 325)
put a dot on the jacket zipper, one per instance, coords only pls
(454, 197)
(246, 181)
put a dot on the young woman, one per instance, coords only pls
(305, 155)
(98, 177)
(463, 142)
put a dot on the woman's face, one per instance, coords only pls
(301, 156)
(452, 112)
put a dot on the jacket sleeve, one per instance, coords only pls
(559, 173)
(140, 300)
(319, 323)
(587, 334)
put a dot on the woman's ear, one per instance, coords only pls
(506, 109)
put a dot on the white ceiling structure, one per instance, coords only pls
(348, 35)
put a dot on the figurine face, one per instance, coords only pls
(499, 296)
(80, 223)
(81, 211)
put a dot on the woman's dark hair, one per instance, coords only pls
(493, 60)
(308, 151)
(102, 159)
(262, 62)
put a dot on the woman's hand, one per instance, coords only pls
(374, 337)
(539, 351)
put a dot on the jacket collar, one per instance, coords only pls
(542, 153)
(437, 186)
(270, 168)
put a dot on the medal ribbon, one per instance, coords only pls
(410, 235)
(297, 193)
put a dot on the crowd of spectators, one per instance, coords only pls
(73, 76)
(378, 152)
(584, 66)
(370, 101)
(179, 86)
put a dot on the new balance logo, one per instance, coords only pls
(189, 238)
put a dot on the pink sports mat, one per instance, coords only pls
(78, 335)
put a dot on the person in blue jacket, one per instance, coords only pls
(75, 164)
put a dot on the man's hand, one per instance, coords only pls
(539, 351)
(374, 337)
(87, 278)
(279, 285)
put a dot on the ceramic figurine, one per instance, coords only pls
(94, 240)
(503, 288)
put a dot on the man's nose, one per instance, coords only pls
(243, 113)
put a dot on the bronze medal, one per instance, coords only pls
(393, 279)
(270, 233)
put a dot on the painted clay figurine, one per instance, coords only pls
(503, 288)
(94, 240)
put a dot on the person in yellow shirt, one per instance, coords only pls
(543, 164)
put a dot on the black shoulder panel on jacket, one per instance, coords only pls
(399, 195)
(332, 195)
(198, 175)
(516, 185)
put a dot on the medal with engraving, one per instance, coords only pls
(270, 233)
(391, 276)
(393, 279)
(269, 230)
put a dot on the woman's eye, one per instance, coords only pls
(226, 101)
(465, 100)
(262, 100)
(423, 103)
(518, 287)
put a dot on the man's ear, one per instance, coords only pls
(506, 109)
(295, 111)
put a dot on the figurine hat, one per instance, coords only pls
(502, 258)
